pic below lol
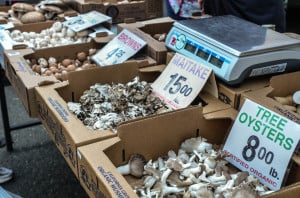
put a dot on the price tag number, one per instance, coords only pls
(115, 52)
(252, 148)
(177, 85)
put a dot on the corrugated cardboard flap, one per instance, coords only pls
(285, 84)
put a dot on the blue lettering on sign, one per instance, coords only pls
(191, 67)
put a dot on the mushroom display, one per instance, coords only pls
(197, 170)
(56, 35)
(22, 13)
(104, 106)
(51, 66)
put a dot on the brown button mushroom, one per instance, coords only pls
(134, 167)
(22, 7)
(50, 11)
(32, 17)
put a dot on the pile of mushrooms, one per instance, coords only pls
(22, 13)
(290, 102)
(56, 35)
(196, 170)
(51, 66)
(104, 106)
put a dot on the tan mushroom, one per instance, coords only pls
(134, 167)
(51, 11)
(22, 7)
(32, 17)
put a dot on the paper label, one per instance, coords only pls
(262, 142)
(87, 20)
(119, 49)
(6, 43)
(181, 81)
(6, 26)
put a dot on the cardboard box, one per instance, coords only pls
(280, 85)
(138, 10)
(23, 79)
(231, 95)
(66, 129)
(146, 30)
(152, 137)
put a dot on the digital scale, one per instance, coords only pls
(234, 48)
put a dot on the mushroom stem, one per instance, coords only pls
(124, 169)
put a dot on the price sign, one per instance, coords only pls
(6, 26)
(6, 43)
(87, 20)
(181, 81)
(119, 49)
(262, 143)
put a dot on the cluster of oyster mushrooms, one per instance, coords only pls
(290, 102)
(51, 66)
(23, 13)
(104, 106)
(57, 35)
(197, 170)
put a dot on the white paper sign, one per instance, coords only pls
(262, 143)
(6, 43)
(87, 20)
(6, 26)
(119, 49)
(181, 81)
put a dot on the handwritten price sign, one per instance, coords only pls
(118, 50)
(262, 143)
(181, 81)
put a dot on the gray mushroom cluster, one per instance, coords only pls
(51, 66)
(290, 102)
(198, 169)
(56, 35)
(104, 106)
(23, 13)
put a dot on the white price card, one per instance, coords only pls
(6, 26)
(6, 43)
(87, 20)
(119, 49)
(262, 143)
(181, 81)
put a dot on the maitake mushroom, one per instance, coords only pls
(104, 106)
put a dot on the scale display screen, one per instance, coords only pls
(216, 61)
(202, 54)
(190, 48)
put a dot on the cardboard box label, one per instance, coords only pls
(87, 20)
(119, 49)
(113, 183)
(181, 81)
(262, 143)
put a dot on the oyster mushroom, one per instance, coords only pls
(134, 167)
(32, 17)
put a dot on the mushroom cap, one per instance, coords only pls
(136, 163)
(22, 7)
(32, 17)
(4, 14)
(51, 8)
